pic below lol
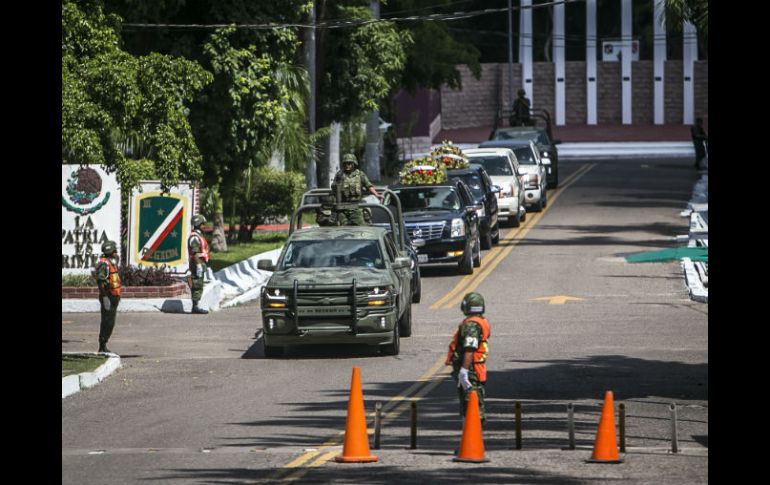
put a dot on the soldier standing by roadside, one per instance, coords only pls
(198, 251)
(700, 141)
(108, 281)
(352, 183)
(468, 352)
(521, 106)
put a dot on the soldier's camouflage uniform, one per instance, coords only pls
(194, 247)
(469, 337)
(102, 276)
(353, 185)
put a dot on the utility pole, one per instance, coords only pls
(311, 177)
(510, 54)
(372, 152)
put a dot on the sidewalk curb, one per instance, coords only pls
(75, 383)
(625, 150)
(694, 284)
(230, 286)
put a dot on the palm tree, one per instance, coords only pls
(291, 140)
(694, 11)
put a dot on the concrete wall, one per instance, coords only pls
(702, 89)
(477, 103)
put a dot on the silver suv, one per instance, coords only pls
(532, 170)
(503, 168)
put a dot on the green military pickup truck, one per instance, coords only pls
(339, 284)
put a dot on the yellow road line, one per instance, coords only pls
(496, 254)
(298, 468)
(393, 409)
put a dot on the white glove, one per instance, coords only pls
(199, 271)
(462, 379)
(106, 303)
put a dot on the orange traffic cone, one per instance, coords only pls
(356, 447)
(472, 443)
(606, 446)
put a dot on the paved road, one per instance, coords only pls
(196, 402)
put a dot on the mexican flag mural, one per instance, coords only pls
(159, 226)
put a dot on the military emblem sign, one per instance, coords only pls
(90, 200)
(159, 225)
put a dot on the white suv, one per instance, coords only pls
(531, 168)
(503, 169)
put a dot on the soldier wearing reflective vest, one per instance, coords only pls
(108, 281)
(198, 251)
(468, 352)
(352, 184)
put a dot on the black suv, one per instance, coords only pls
(442, 222)
(484, 194)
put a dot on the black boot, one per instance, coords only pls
(198, 310)
(103, 347)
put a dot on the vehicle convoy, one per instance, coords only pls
(546, 146)
(442, 222)
(339, 284)
(503, 169)
(484, 194)
(540, 131)
(532, 171)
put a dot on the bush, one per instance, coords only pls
(77, 280)
(129, 276)
(137, 276)
(266, 196)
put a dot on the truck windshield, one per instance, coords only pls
(494, 165)
(428, 199)
(525, 156)
(333, 253)
(473, 181)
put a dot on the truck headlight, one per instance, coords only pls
(506, 192)
(458, 228)
(532, 180)
(378, 297)
(275, 298)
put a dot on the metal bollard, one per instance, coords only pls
(674, 440)
(622, 428)
(518, 425)
(571, 425)
(414, 426)
(377, 424)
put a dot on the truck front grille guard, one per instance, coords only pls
(353, 299)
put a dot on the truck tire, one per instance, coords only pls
(417, 296)
(405, 323)
(395, 347)
(465, 265)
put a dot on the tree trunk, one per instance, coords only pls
(218, 240)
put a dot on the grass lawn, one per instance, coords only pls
(75, 364)
(237, 252)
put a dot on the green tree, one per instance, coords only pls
(358, 66)
(694, 11)
(113, 103)
(234, 121)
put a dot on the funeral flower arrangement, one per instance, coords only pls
(426, 170)
(450, 155)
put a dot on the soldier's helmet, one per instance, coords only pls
(197, 220)
(473, 304)
(109, 247)
(350, 158)
(521, 92)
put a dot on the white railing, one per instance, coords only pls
(696, 272)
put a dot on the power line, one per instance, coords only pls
(342, 23)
